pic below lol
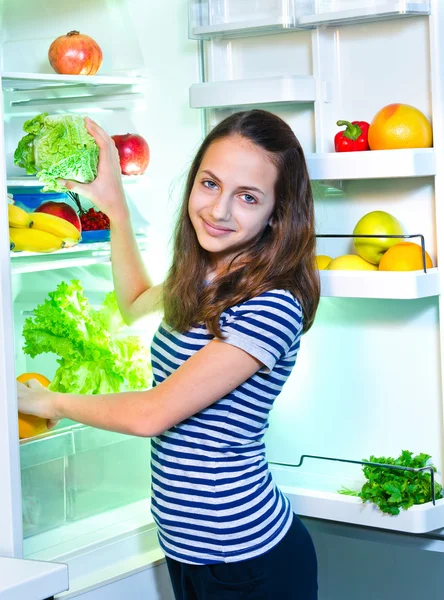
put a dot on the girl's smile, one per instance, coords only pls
(232, 198)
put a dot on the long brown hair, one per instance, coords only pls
(280, 257)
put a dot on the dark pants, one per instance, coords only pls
(286, 572)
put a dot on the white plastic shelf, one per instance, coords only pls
(401, 285)
(81, 255)
(372, 164)
(27, 93)
(244, 28)
(29, 181)
(380, 11)
(258, 90)
(280, 19)
(349, 509)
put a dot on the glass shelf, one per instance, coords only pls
(27, 93)
(81, 255)
(258, 90)
(29, 181)
(399, 285)
(373, 164)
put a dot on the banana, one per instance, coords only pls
(11, 244)
(17, 217)
(61, 228)
(33, 240)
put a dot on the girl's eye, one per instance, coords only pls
(209, 184)
(248, 198)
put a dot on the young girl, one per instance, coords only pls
(241, 290)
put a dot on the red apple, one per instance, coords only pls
(134, 153)
(62, 210)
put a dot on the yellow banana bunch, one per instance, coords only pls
(33, 240)
(61, 228)
(18, 218)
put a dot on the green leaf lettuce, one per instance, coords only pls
(57, 147)
(95, 358)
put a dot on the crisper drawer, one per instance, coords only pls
(43, 463)
(107, 470)
(78, 472)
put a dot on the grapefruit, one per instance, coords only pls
(29, 425)
(399, 126)
(405, 256)
(351, 262)
(322, 261)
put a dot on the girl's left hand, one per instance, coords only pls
(34, 399)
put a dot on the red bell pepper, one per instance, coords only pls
(353, 138)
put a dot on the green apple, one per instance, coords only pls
(377, 222)
(350, 262)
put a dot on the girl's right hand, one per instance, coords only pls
(106, 191)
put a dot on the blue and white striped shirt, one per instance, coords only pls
(213, 497)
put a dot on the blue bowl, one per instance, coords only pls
(98, 235)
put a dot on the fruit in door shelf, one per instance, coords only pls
(353, 138)
(404, 256)
(18, 218)
(134, 153)
(62, 210)
(33, 240)
(399, 126)
(350, 262)
(58, 227)
(377, 222)
(322, 261)
(75, 54)
(29, 425)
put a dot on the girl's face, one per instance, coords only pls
(232, 198)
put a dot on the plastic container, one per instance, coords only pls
(106, 471)
(43, 472)
(31, 198)
(96, 235)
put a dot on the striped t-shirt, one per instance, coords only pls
(213, 497)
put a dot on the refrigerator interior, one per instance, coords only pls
(368, 377)
(78, 481)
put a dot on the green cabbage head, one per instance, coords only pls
(57, 147)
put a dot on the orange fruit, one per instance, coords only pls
(405, 256)
(399, 126)
(29, 425)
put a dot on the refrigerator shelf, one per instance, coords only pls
(30, 93)
(348, 509)
(257, 90)
(29, 181)
(373, 164)
(380, 11)
(397, 285)
(81, 255)
(281, 19)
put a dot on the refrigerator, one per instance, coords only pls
(368, 378)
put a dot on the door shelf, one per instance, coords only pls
(81, 255)
(258, 90)
(30, 93)
(372, 164)
(206, 25)
(348, 509)
(380, 11)
(400, 285)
